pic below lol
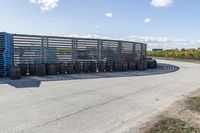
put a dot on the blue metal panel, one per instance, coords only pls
(8, 52)
(2, 48)
(6, 45)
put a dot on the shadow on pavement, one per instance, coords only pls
(28, 82)
(25, 82)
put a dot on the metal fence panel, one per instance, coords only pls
(34, 49)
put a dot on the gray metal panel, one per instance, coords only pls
(29, 49)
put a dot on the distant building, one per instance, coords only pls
(157, 50)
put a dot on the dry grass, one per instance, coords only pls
(181, 60)
(193, 103)
(171, 125)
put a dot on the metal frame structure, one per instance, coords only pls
(36, 49)
(23, 49)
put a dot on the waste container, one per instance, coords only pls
(32, 69)
(15, 72)
(70, 68)
(41, 69)
(51, 69)
(93, 67)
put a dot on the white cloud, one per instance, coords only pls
(165, 42)
(96, 26)
(109, 15)
(152, 42)
(46, 5)
(162, 3)
(147, 20)
(89, 36)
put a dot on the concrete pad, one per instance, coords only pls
(104, 102)
(87, 99)
(29, 116)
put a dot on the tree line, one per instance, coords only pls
(191, 53)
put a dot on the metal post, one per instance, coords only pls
(141, 59)
(45, 46)
(145, 51)
(133, 52)
(42, 49)
(99, 50)
(12, 50)
(120, 51)
(74, 49)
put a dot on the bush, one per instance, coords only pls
(193, 54)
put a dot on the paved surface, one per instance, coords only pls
(27, 82)
(113, 104)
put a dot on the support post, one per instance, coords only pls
(99, 50)
(120, 51)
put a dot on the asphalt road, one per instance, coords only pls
(115, 104)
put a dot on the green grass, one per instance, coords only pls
(194, 103)
(170, 125)
(176, 59)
